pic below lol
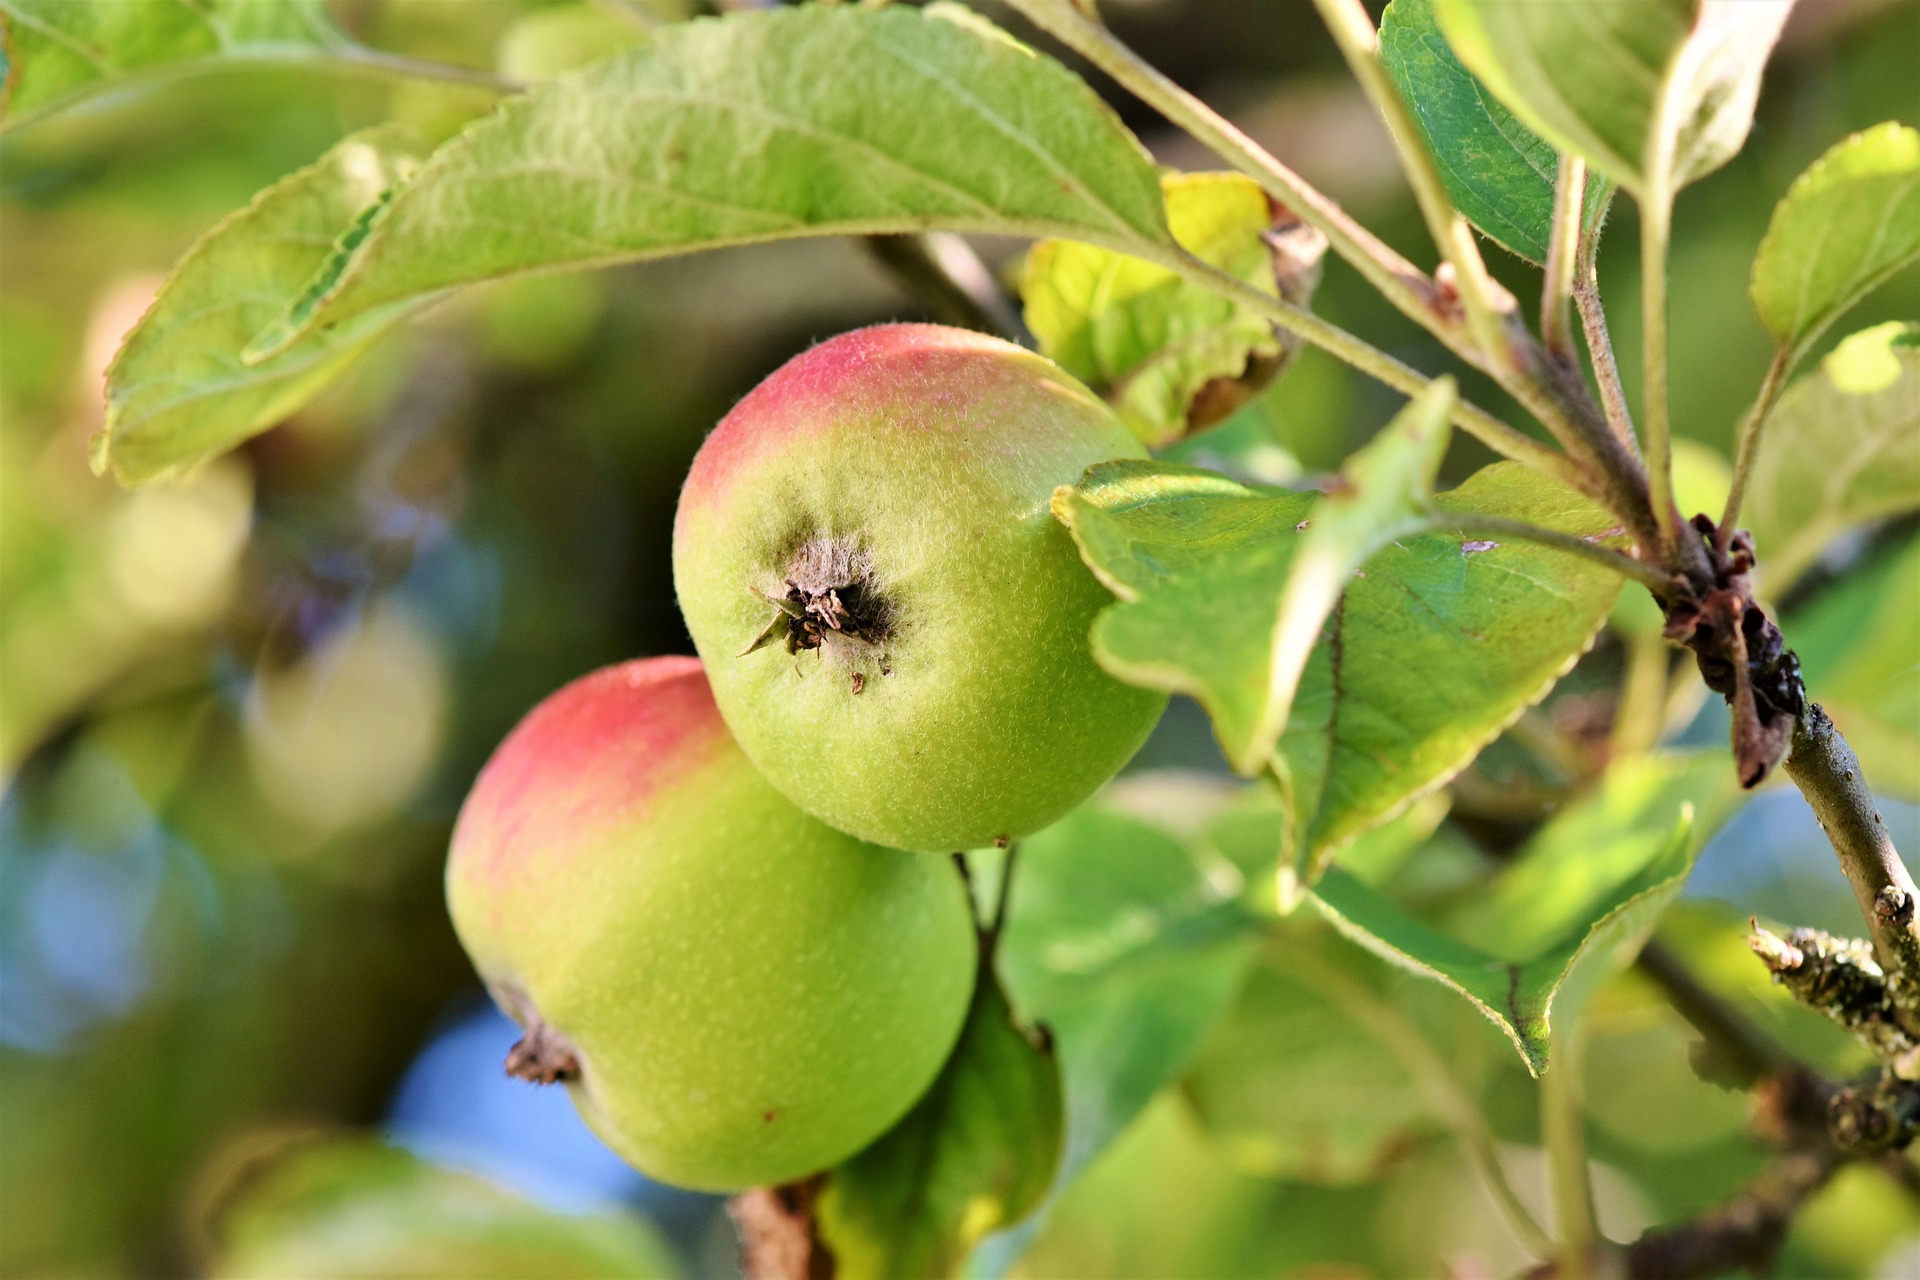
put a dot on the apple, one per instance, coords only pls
(894, 624)
(735, 993)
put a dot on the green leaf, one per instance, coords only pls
(1651, 93)
(1434, 649)
(1126, 943)
(758, 126)
(1841, 447)
(975, 1155)
(1170, 356)
(1292, 1084)
(1440, 646)
(1223, 600)
(61, 51)
(1385, 490)
(1575, 905)
(178, 391)
(1499, 173)
(353, 1207)
(1847, 223)
(1857, 651)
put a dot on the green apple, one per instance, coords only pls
(736, 993)
(894, 624)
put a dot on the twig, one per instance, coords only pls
(1598, 467)
(1362, 355)
(1403, 284)
(1569, 203)
(1606, 368)
(1746, 1232)
(1749, 441)
(943, 273)
(1486, 310)
(1740, 1054)
(1650, 575)
(1828, 774)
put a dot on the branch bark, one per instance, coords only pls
(1744, 1233)
(1828, 774)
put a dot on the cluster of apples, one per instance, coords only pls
(713, 891)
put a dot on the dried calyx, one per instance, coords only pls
(828, 601)
(1741, 654)
(543, 1056)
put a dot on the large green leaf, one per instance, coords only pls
(1861, 659)
(178, 391)
(1223, 600)
(1499, 173)
(1846, 224)
(1433, 650)
(1384, 491)
(1842, 446)
(1578, 901)
(350, 1207)
(1127, 943)
(60, 51)
(1170, 356)
(1651, 93)
(975, 1155)
(1296, 1083)
(757, 126)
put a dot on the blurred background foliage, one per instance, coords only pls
(237, 716)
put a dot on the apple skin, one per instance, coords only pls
(929, 455)
(736, 993)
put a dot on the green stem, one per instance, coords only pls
(1569, 202)
(1563, 1128)
(1369, 359)
(1641, 710)
(340, 59)
(1655, 232)
(1359, 43)
(1443, 1093)
(1749, 441)
(1469, 522)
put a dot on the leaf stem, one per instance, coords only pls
(1443, 1093)
(1749, 441)
(1563, 247)
(1563, 1128)
(1468, 522)
(1482, 300)
(1499, 436)
(1655, 232)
